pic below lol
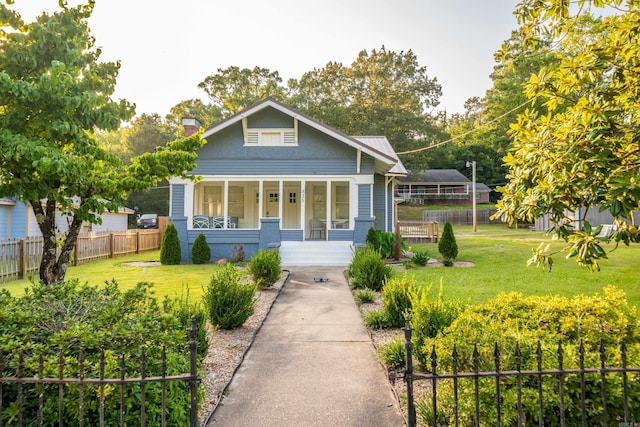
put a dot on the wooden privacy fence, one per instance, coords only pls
(460, 217)
(418, 231)
(21, 257)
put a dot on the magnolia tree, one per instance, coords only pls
(584, 153)
(54, 94)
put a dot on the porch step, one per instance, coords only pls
(316, 253)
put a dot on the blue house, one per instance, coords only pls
(271, 176)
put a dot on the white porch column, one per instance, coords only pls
(280, 202)
(260, 201)
(303, 220)
(328, 209)
(225, 203)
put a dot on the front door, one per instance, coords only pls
(291, 207)
(271, 202)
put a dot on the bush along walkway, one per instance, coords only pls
(312, 363)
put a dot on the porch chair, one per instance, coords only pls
(316, 227)
(200, 221)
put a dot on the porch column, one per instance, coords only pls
(280, 202)
(303, 219)
(328, 210)
(260, 199)
(225, 203)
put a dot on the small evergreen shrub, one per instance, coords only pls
(200, 252)
(264, 266)
(229, 302)
(393, 354)
(170, 253)
(365, 296)
(368, 269)
(420, 258)
(447, 245)
(396, 299)
(375, 319)
(237, 253)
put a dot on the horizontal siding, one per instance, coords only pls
(364, 194)
(291, 235)
(214, 236)
(341, 235)
(177, 201)
(280, 167)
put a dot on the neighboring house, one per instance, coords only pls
(17, 220)
(440, 185)
(272, 176)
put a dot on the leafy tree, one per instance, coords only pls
(207, 114)
(54, 94)
(382, 93)
(146, 133)
(170, 253)
(233, 89)
(584, 152)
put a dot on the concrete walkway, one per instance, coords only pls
(311, 364)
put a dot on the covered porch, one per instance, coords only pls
(305, 208)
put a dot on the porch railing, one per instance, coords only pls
(16, 406)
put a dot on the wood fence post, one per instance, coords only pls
(111, 244)
(22, 262)
(76, 252)
(137, 241)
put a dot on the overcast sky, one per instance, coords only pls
(167, 47)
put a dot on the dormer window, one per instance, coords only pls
(270, 137)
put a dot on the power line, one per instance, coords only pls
(417, 150)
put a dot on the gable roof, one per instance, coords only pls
(7, 201)
(377, 147)
(437, 176)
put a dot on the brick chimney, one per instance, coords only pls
(190, 126)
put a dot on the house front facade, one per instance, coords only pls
(440, 186)
(270, 175)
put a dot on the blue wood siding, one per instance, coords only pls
(317, 153)
(364, 195)
(292, 235)
(379, 208)
(4, 221)
(177, 201)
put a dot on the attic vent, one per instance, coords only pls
(253, 137)
(289, 137)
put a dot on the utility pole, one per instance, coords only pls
(473, 194)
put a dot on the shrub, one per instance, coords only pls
(264, 266)
(384, 242)
(237, 253)
(364, 296)
(170, 253)
(227, 300)
(430, 317)
(447, 245)
(420, 258)
(393, 354)
(396, 299)
(200, 252)
(368, 269)
(67, 317)
(512, 319)
(375, 319)
(183, 308)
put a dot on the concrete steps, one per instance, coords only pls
(316, 253)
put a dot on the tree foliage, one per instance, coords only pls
(585, 152)
(54, 95)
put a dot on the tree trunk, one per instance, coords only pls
(53, 267)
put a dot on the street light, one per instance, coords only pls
(473, 183)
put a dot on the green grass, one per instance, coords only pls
(500, 255)
(169, 280)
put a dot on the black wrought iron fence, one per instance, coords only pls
(100, 401)
(586, 395)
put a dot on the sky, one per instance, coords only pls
(167, 47)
